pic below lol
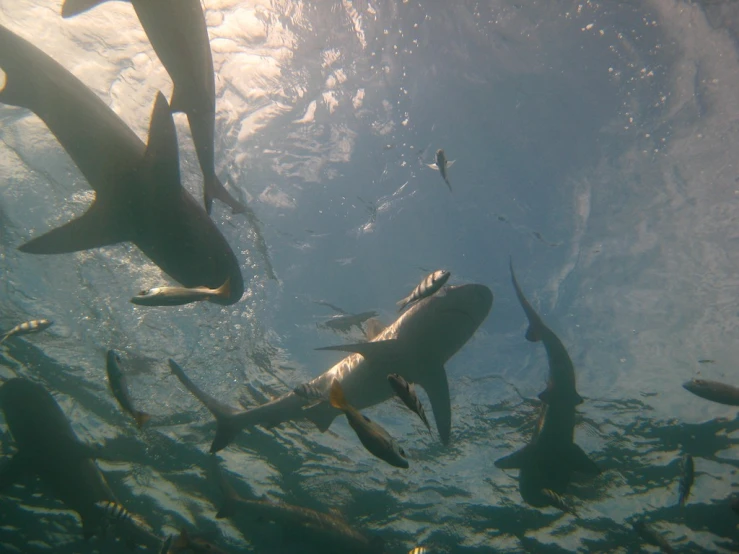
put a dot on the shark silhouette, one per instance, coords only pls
(48, 448)
(416, 346)
(547, 463)
(138, 193)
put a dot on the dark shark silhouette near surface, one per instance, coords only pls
(138, 194)
(547, 463)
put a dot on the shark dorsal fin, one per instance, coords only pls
(162, 157)
(70, 8)
(435, 383)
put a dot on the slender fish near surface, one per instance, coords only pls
(407, 393)
(651, 536)
(179, 296)
(430, 284)
(374, 438)
(714, 391)
(344, 323)
(119, 387)
(324, 526)
(686, 479)
(442, 164)
(26, 328)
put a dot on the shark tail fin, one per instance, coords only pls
(226, 426)
(224, 291)
(141, 418)
(213, 189)
(71, 8)
(230, 496)
(337, 398)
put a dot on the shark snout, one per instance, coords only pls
(474, 300)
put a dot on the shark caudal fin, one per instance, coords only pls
(226, 428)
(70, 8)
(434, 382)
(533, 333)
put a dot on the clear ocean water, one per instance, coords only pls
(594, 142)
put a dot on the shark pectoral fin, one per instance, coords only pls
(71, 8)
(581, 462)
(450, 163)
(214, 189)
(95, 228)
(433, 166)
(377, 351)
(162, 156)
(517, 460)
(435, 383)
(12, 469)
(321, 415)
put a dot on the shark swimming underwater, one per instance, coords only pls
(547, 463)
(416, 346)
(48, 448)
(138, 194)
(179, 35)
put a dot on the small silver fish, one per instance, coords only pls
(178, 296)
(430, 284)
(26, 328)
(407, 393)
(119, 387)
(374, 438)
(686, 479)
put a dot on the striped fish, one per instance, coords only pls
(686, 479)
(407, 393)
(433, 282)
(558, 501)
(420, 550)
(26, 328)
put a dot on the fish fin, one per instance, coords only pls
(546, 397)
(532, 335)
(178, 103)
(322, 415)
(12, 469)
(4, 337)
(162, 154)
(94, 229)
(377, 351)
(226, 428)
(450, 163)
(166, 545)
(337, 398)
(71, 8)
(224, 291)
(581, 462)
(433, 166)
(517, 460)
(230, 496)
(435, 383)
(141, 418)
(373, 328)
(403, 303)
(213, 189)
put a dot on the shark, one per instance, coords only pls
(139, 197)
(178, 33)
(416, 346)
(48, 448)
(548, 462)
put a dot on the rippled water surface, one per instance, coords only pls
(594, 142)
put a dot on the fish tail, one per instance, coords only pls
(224, 291)
(230, 496)
(3, 337)
(403, 303)
(141, 418)
(337, 398)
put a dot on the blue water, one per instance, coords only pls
(593, 141)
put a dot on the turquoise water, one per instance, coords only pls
(593, 142)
